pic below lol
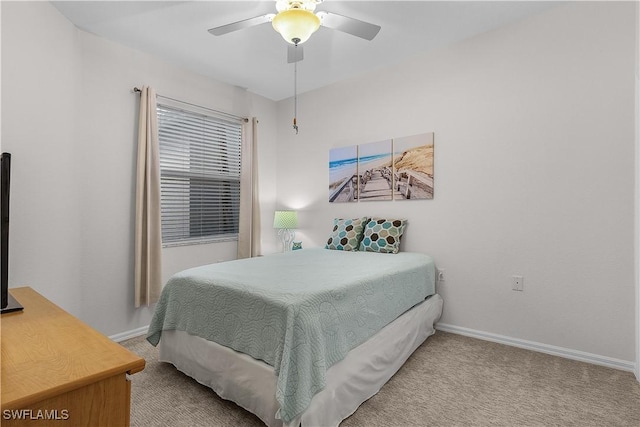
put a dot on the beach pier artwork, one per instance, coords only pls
(413, 167)
(392, 169)
(375, 172)
(343, 174)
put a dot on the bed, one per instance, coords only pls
(302, 337)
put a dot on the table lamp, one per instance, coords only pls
(285, 222)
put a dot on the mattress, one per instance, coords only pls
(251, 383)
(299, 312)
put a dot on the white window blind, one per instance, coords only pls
(199, 176)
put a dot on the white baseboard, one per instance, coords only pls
(567, 353)
(500, 339)
(129, 334)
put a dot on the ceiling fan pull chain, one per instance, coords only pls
(295, 96)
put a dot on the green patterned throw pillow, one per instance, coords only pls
(383, 235)
(346, 234)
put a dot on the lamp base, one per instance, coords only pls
(287, 237)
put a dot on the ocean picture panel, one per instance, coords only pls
(375, 171)
(413, 167)
(343, 174)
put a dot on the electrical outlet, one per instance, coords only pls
(440, 275)
(517, 283)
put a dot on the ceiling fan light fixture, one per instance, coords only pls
(296, 25)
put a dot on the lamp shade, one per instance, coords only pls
(296, 25)
(285, 219)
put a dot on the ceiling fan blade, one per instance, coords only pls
(240, 25)
(294, 53)
(345, 24)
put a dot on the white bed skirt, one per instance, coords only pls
(251, 383)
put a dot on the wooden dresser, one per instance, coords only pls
(56, 370)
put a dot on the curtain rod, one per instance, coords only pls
(244, 119)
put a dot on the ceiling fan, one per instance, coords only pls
(296, 21)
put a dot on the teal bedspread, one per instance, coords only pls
(299, 311)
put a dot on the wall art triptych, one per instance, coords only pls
(393, 169)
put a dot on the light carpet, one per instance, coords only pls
(450, 380)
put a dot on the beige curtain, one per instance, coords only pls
(249, 226)
(148, 239)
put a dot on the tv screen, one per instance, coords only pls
(8, 304)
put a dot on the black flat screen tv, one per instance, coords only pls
(8, 304)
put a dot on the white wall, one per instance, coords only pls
(534, 168)
(637, 198)
(69, 119)
(534, 172)
(39, 109)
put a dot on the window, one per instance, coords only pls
(199, 176)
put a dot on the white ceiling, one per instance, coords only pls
(256, 58)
